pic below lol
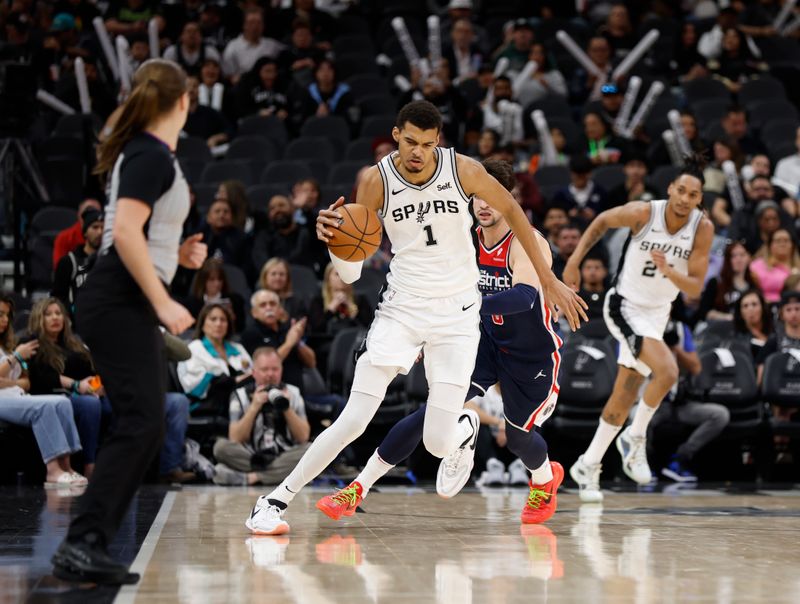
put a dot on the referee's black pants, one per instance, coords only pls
(128, 351)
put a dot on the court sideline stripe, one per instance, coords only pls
(127, 593)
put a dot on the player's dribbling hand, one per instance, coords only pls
(329, 218)
(193, 252)
(560, 297)
(174, 317)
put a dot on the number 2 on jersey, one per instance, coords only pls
(430, 240)
(650, 269)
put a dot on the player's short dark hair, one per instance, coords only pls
(501, 171)
(693, 165)
(422, 114)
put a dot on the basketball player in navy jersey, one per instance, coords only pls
(432, 302)
(666, 253)
(519, 349)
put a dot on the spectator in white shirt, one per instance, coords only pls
(242, 52)
(787, 172)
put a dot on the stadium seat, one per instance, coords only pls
(53, 219)
(305, 284)
(65, 178)
(781, 381)
(732, 385)
(253, 148)
(353, 43)
(61, 146)
(216, 172)
(314, 147)
(704, 88)
(609, 176)
(194, 148)
(258, 196)
(340, 355)
(360, 149)
(709, 111)
(270, 126)
(238, 282)
(285, 171)
(362, 85)
(552, 175)
(552, 106)
(331, 127)
(345, 171)
(764, 88)
(762, 112)
(192, 169)
(781, 130)
(377, 104)
(661, 178)
(76, 124)
(204, 195)
(350, 64)
(377, 125)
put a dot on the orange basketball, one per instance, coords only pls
(359, 233)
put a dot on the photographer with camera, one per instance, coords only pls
(268, 433)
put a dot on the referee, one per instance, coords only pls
(122, 303)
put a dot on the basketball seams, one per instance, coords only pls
(355, 241)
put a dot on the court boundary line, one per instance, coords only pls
(127, 593)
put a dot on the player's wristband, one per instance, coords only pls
(348, 271)
(518, 299)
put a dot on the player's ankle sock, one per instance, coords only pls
(281, 495)
(372, 472)
(543, 474)
(644, 413)
(603, 437)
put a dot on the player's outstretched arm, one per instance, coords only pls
(370, 194)
(692, 283)
(476, 181)
(633, 215)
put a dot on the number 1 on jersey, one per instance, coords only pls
(430, 240)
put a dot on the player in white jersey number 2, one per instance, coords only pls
(666, 253)
(432, 301)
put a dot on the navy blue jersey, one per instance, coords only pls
(528, 335)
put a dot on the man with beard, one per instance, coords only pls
(496, 110)
(284, 238)
(72, 269)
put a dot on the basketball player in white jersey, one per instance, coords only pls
(432, 301)
(666, 253)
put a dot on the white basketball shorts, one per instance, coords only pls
(629, 324)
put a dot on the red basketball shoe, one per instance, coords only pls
(342, 503)
(541, 504)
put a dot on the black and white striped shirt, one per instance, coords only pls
(146, 170)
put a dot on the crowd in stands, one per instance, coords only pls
(291, 100)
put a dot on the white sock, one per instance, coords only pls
(644, 413)
(348, 426)
(373, 471)
(603, 437)
(543, 474)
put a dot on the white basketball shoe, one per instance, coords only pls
(588, 478)
(634, 456)
(266, 519)
(455, 469)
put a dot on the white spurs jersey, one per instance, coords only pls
(428, 226)
(638, 279)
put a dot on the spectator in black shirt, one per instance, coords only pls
(284, 237)
(635, 187)
(262, 91)
(205, 122)
(191, 52)
(322, 25)
(618, 30)
(73, 268)
(325, 96)
(302, 56)
(721, 293)
(285, 336)
(224, 240)
(593, 285)
(753, 319)
(734, 123)
(583, 199)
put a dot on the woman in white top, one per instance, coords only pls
(50, 416)
(543, 82)
(217, 364)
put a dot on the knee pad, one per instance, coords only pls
(445, 404)
(372, 379)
